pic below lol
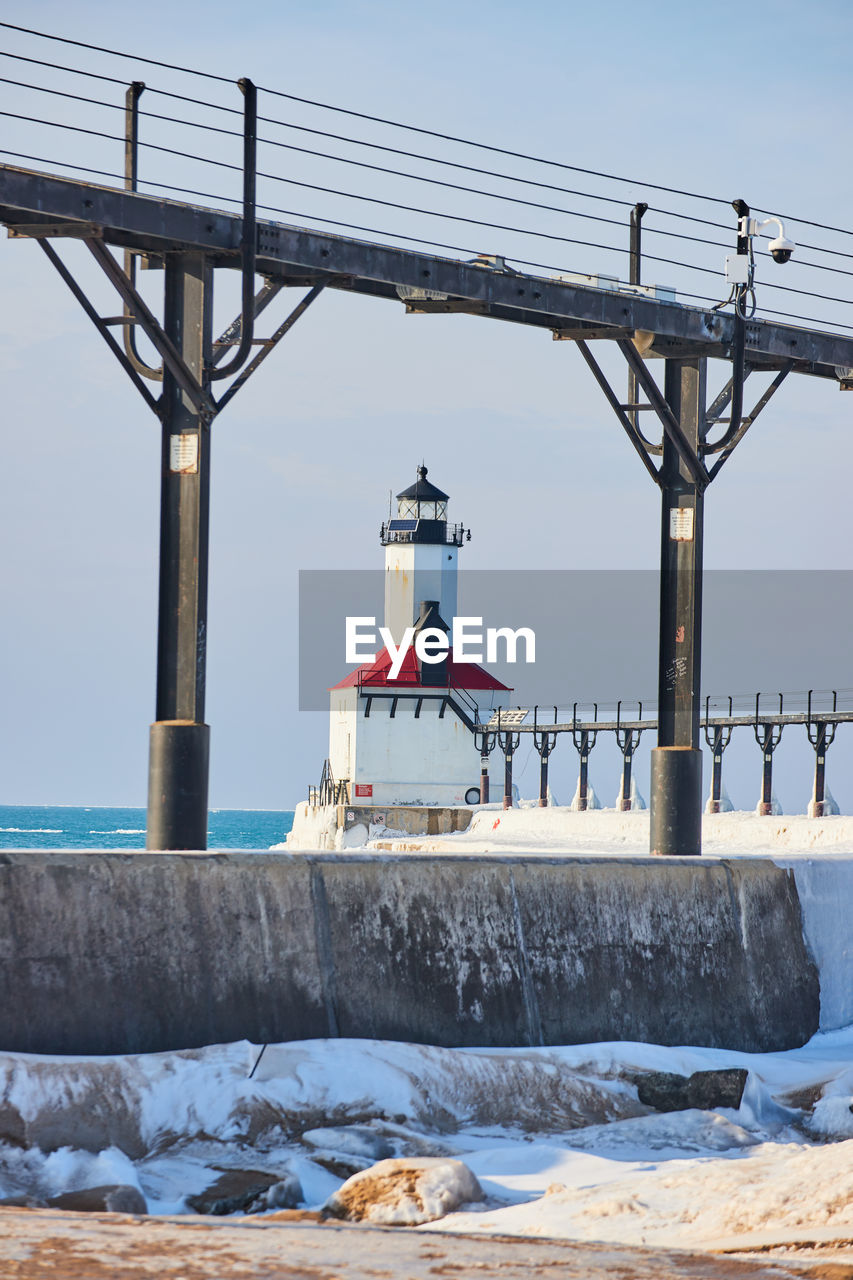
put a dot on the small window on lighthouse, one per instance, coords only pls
(427, 510)
(407, 507)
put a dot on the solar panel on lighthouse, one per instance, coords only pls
(508, 716)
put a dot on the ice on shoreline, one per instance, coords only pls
(557, 1136)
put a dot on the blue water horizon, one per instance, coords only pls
(116, 827)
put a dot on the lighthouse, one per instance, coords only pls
(405, 735)
(421, 555)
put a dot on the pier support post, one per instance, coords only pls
(676, 774)
(508, 742)
(484, 779)
(718, 738)
(627, 740)
(544, 743)
(583, 773)
(821, 742)
(543, 782)
(821, 736)
(179, 742)
(717, 749)
(485, 743)
(676, 817)
(508, 754)
(768, 735)
(584, 741)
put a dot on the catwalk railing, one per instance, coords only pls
(820, 711)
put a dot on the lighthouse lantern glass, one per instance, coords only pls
(411, 507)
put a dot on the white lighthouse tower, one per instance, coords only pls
(421, 552)
(410, 740)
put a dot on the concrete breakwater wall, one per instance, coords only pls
(137, 952)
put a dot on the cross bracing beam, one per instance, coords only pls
(155, 225)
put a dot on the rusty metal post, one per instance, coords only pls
(717, 749)
(544, 743)
(765, 805)
(584, 740)
(627, 740)
(625, 793)
(543, 781)
(718, 738)
(179, 744)
(485, 743)
(508, 754)
(768, 737)
(820, 745)
(484, 779)
(821, 735)
(583, 772)
(508, 742)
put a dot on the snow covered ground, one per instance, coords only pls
(557, 1137)
(560, 829)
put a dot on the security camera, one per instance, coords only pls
(781, 249)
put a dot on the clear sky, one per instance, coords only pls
(732, 100)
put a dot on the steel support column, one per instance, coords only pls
(179, 744)
(583, 775)
(508, 754)
(676, 776)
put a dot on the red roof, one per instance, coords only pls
(460, 675)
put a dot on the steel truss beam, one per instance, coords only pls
(153, 225)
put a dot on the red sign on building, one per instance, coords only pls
(364, 790)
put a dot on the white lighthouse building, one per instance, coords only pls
(409, 739)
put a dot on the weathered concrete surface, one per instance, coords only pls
(138, 952)
(416, 819)
(43, 1244)
(343, 826)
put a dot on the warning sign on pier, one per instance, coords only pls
(183, 453)
(681, 524)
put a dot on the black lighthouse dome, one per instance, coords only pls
(422, 500)
(422, 516)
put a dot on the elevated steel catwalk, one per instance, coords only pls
(41, 204)
(190, 242)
